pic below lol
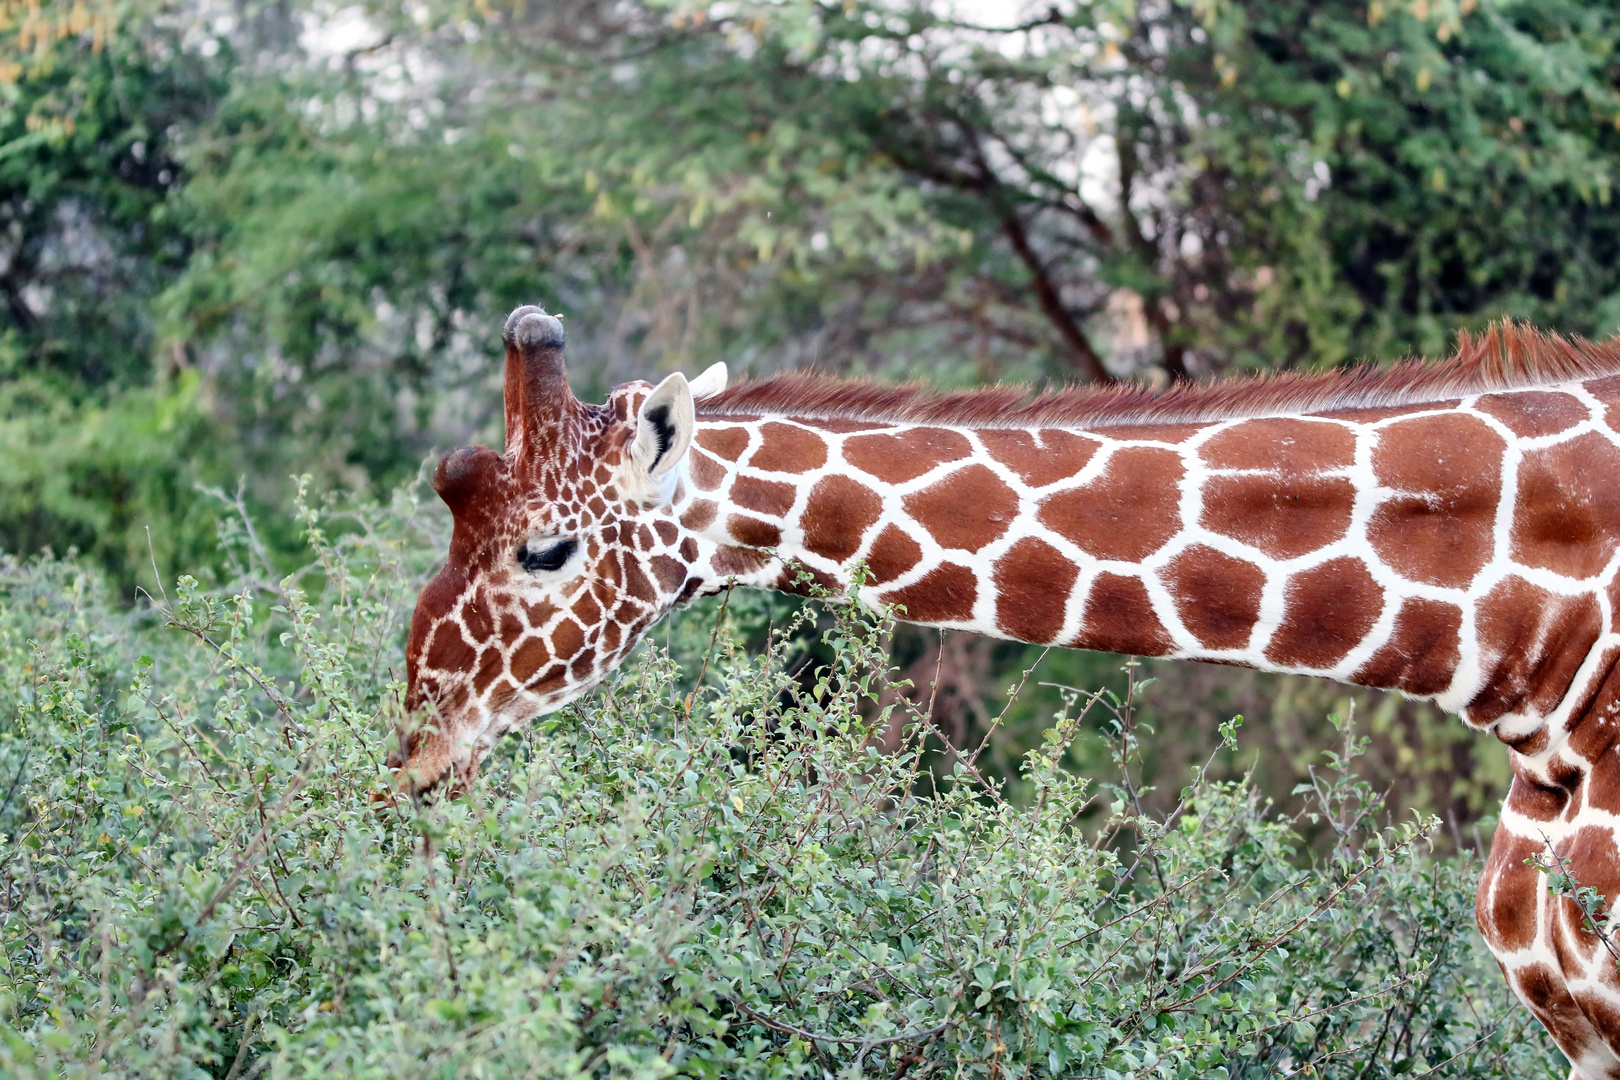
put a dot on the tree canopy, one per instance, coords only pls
(295, 231)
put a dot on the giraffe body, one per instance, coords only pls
(1452, 533)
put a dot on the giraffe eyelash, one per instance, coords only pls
(545, 554)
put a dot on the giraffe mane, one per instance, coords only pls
(1507, 356)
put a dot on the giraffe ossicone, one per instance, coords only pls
(1448, 530)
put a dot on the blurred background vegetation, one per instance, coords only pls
(241, 241)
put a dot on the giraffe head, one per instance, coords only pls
(562, 554)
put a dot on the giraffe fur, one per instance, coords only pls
(1450, 531)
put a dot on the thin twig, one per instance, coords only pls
(789, 1029)
(714, 637)
(1010, 699)
(262, 838)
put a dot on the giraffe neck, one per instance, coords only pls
(1460, 551)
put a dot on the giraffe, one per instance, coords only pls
(1449, 530)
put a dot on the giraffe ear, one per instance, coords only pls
(710, 383)
(664, 430)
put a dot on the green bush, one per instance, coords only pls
(729, 881)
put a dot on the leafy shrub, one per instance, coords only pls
(726, 881)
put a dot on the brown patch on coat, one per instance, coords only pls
(567, 639)
(475, 616)
(586, 609)
(891, 554)
(1594, 721)
(1599, 1009)
(449, 651)
(1439, 531)
(539, 614)
(1547, 993)
(967, 509)
(706, 473)
(1530, 744)
(1169, 434)
(752, 531)
(528, 658)
(1603, 785)
(1327, 611)
(1373, 414)
(1033, 580)
(797, 579)
(907, 455)
(667, 532)
(788, 449)
(763, 496)
(1505, 906)
(637, 584)
(583, 665)
(1595, 862)
(1286, 445)
(737, 561)
(509, 626)
(1282, 515)
(1216, 596)
(491, 666)
(1531, 413)
(944, 594)
(1127, 513)
(1567, 517)
(548, 680)
(723, 442)
(671, 573)
(1060, 455)
(700, 515)
(837, 515)
(1537, 801)
(1532, 642)
(1422, 652)
(1119, 618)
(842, 427)
(1607, 390)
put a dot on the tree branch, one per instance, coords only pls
(1046, 294)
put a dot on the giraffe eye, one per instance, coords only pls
(541, 555)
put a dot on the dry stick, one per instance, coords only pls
(1155, 901)
(253, 673)
(1368, 996)
(247, 855)
(240, 869)
(714, 637)
(933, 696)
(1274, 941)
(243, 1047)
(985, 785)
(155, 575)
(258, 799)
(789, 1029)
(1168, 821)
(1011, 698)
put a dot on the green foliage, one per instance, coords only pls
(98, 435)
(195, 880)
(1464, 159)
